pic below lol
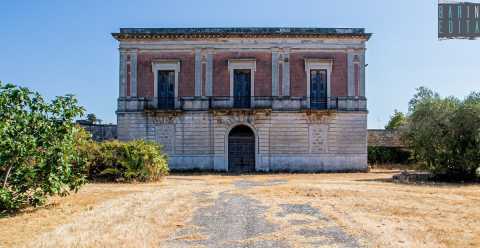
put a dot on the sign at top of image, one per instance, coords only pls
(458, 20)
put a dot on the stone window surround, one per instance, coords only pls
(248, 64)
(318, 64)
(166, 65)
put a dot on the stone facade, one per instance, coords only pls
(290, 134)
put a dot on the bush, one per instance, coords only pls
(388, 155)
(444, 133)
(38, 147)
(126, 161)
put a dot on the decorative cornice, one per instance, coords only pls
(215, 33)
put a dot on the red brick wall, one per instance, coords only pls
(298, 80)
(145, 78)
(263, 75)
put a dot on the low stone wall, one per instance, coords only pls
(384, 138)
(412, 177)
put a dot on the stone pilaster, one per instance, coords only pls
(275, 71)
(350, 74)
(122, 77)
(133, 74)
(209, 75)
(198, 72)
(286, 73)
(362, 73)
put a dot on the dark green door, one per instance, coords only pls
(166, 89)
(318, 89)
(241, 88)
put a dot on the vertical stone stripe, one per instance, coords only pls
(275, 89)
(357, 79)
(286, 75)
(128, 75)
(350, 74)
(121, 76)
(209, 76)
(133, 74)
(198, 72)
(204, 78)
(362, 74)
(280, 79)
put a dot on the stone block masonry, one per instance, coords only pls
(304, 142)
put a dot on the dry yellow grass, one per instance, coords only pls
(378, 213)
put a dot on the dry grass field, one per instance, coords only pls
(299, 210)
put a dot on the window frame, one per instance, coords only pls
(166, 65)
(242, 64)
(319, 64)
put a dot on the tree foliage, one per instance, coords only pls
(39, 143)
(388, 155)
(397, 120)
(92, 118)
(444, 133)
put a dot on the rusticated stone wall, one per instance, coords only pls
(296, 141)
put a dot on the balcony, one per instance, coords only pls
(204, 103)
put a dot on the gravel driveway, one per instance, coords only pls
(237, 220)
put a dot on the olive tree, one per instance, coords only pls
(38, 147)
(444, 133)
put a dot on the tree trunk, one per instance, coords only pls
(6, 176)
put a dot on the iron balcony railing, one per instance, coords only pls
(281, 103)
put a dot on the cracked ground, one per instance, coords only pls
(278, 210)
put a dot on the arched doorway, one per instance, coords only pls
(241, 149)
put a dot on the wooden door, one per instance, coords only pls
(166, 89)
(318, 89)
(241, 150)
(241, 88)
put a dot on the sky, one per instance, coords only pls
(60, 47)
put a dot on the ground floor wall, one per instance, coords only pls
(284, 141)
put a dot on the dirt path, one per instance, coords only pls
(322, 210)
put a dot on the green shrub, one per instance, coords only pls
(38, 147)
(388, 155)
(126, 161)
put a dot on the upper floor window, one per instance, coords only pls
(165, 88)
(318, 82)
(166, 83)
(241, 88)
(318, 88)
(242, 82)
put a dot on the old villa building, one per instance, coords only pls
(246, 99)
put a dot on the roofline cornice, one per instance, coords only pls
(245, 32)
(122, 37)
